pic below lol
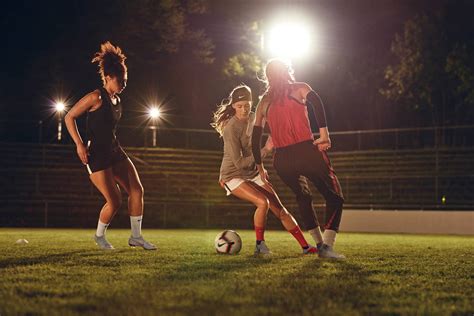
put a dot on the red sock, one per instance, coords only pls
(298, 234)
(259, 231)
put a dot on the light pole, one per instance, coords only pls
(60, 107)
(155, 114)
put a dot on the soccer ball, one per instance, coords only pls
(228, 242)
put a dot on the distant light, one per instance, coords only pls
(154, 113)
(443, 199)
(289, 40)
(59, 107)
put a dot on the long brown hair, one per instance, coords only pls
(225, 111)
(278, 76)
(111, 61)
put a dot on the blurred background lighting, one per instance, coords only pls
(154, 113)
(289, 40)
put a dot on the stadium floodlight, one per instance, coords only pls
(289, 40)
(154, 113)
(60, 107)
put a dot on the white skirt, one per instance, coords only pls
(234, 183)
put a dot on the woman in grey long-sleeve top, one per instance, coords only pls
(238, 174)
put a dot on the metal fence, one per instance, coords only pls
(432, 190)
(143, 136)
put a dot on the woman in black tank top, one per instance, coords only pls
(107, 163)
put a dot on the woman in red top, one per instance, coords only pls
(284, 108)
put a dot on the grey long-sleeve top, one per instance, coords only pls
(238, 161)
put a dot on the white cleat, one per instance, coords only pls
(326, 251)
(262, 249)
(103, 243)
(140, 242)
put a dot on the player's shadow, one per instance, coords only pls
(217, 269)
(55, 258)
(322, 283)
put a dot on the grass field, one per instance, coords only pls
(60, 272)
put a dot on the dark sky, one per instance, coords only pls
(47, 47)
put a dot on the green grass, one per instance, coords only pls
(61, 272)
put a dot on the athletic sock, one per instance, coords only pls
(101, 228)
(329, 237)
(316, 234)
(136, 225)
(259, 232)
(298, 234)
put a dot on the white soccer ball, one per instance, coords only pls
(21, 242)
(228, 242)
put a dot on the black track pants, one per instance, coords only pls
(296, 163)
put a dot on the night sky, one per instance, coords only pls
(48, 45)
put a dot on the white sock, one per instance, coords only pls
(136, 224)
(101, 228)
(329, 237)
(316, 234)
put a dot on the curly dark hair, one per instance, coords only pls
(111, 61)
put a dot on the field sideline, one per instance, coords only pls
(60, 272)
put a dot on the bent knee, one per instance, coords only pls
(114, 204)
(335, 201)
(262, 203)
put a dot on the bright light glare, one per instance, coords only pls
(154, 113)
(289, 40)
(59, 106)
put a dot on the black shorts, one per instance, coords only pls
(100, 159)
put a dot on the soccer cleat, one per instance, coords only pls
(103, 243)
(262, 249)
(310, 250)
(326, 251)
(140, 242)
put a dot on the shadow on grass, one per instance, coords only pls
(326, 286)
(55, 258)
(195, 286)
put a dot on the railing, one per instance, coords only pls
(43, 184)
(142, 136)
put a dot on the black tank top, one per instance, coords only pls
(102, 123)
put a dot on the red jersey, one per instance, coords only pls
(288, 121)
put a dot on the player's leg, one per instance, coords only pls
(127, 176)
(321, 173)
(304, 199)
(287, 220)
(289, 171)
(245, 191)
(105, 183)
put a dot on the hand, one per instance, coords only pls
(323, 143)
(222, 184)
(269, 145)
(82, 152)
(263, 174)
